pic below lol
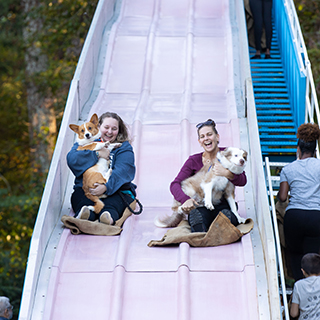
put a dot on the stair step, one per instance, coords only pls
(270, 89)
(266, 151)
(273, 112)
(278, 75)
(266, 63)
(277, 143)
(269, 101)
(267, 70)
(278, 137)
(273, 106)
(268, 80)
(274, 95)
(276, 120)
(277, 130)
(275, 85)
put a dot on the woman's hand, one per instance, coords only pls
(220, 170)
(99, 190)
(189, 205)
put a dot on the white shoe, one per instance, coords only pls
(84, 213)
(106, 218)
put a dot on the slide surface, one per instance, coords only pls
(168, 66)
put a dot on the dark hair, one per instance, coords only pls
(308, 134)
(310, 263)
(123, 134)
(208, 123)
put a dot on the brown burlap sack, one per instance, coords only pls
(78, 226)
(221, 232)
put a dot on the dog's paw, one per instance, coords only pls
(241, 220)
(209, 206)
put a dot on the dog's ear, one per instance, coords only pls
(245, 155)
(226, 152)
(74, 128)
(94, 119)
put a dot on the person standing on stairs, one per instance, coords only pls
(302, 218)
(262, 11)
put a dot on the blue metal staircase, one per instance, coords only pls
(277, 127)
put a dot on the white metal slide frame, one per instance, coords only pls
(50, 206)
(80, 91)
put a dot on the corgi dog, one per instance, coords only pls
(87, 133)
(207, 189)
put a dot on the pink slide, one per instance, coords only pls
(167, 65)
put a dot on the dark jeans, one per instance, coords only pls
(114, 204)
(262, 11)
(209, 215)
(302, 235)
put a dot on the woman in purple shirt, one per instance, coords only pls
(200, 218)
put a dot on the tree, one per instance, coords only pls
(52, 53)
(40, 103)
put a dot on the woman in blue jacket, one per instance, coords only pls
(119, 189)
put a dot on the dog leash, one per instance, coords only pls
(128, 204)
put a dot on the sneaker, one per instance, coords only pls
(84, 213)
(267, 56)
(196, 221)
(106, 218)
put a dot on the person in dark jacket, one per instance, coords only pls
(119, 189)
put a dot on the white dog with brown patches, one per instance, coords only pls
(87, 133)
(207, 189)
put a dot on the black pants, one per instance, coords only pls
(209, 215)
(114, 204)
(302, 235)
(262, 11)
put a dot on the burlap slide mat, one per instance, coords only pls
(221, 232)
(78, 226)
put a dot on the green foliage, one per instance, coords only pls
(17, 216)
(65, 25)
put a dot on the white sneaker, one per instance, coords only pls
(105, 218)
(84, 213)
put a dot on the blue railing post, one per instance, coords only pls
(292, 61)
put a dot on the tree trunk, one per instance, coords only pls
(40, 102)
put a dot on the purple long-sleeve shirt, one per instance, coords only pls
(191, 167)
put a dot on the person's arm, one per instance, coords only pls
(294, 310)
(185, 172)
(283, 191)
(80, 161)
(123, 168)
(284, 186)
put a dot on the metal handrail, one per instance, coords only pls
(277, 238)
(312, 113)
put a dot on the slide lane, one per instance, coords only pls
(168, 66)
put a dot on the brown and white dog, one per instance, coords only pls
(87, 133)
(207, 189)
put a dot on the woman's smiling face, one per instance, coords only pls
(208, 139)
(109, 129)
